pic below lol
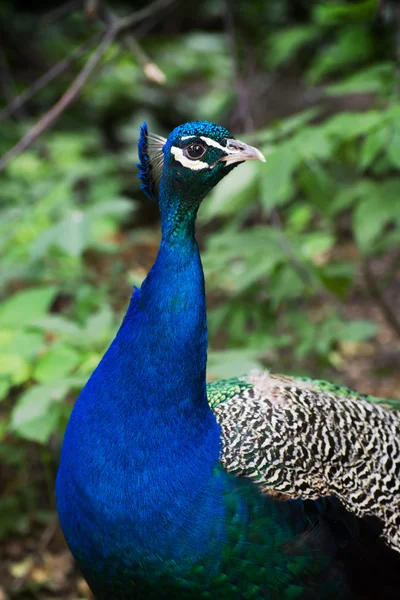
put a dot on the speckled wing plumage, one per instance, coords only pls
(307, 439)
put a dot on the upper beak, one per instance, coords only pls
(239, 151)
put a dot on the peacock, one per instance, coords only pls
(259, 487)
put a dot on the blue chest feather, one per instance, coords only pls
(139, 447)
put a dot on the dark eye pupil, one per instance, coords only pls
(195, 150)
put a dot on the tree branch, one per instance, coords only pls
(140, 15)
(58, 13)
(115, 28)
(150, 69)
(47, 78)
(66, 99)
(91, 8)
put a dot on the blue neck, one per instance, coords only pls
(166, 323)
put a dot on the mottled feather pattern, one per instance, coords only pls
(300, 439)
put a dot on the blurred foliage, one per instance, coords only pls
(313, 84)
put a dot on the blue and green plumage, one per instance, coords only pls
(145, 495)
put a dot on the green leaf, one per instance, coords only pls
(27, 166)
(88, 363)
(286, 43)
(33, 416)
(316, 243)
(375, 79)
(347, 126)
(233, 192)
(352, 46)
(57, 363)
(374, 142)
(99, 326)
(299, 218)
(27, 344)
(14, 367)
(348, 196)
(73, 233)
(284, 127)
(277, 184)
(337, 13)
(118, 207)
(368, 222)
(374, 212)
(57, 324)
(314, 179)
(393, 150)
(337, 277)
(313, 143)
(26, 306)
(285, 284)
(5, 386)
(358, 331)
(232, 363)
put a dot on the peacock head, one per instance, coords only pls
(193, 159)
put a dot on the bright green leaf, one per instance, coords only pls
(26, 306)
(374, 143)
(56, 363)
(358, 331)
(277, 180)
(233, 192)
(14, 367)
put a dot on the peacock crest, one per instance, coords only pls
(151, 161)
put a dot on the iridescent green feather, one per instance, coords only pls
(220, 391)
(342, 390)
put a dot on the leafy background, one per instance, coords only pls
(301, 254)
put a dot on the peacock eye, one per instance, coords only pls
(194, 150)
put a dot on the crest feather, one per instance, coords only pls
(151, 161)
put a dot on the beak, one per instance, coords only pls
(238, 151)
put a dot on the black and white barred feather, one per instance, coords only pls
(295, 438)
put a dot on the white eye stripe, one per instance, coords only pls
(211, 142)
(195, 165)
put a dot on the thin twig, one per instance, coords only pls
(377, 295)
(150, 69)
(58, 13)
(47, 77)
(66, 99)
(144, 13)
(120, 26)
(91, 8)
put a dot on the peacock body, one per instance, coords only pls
(162, 478)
